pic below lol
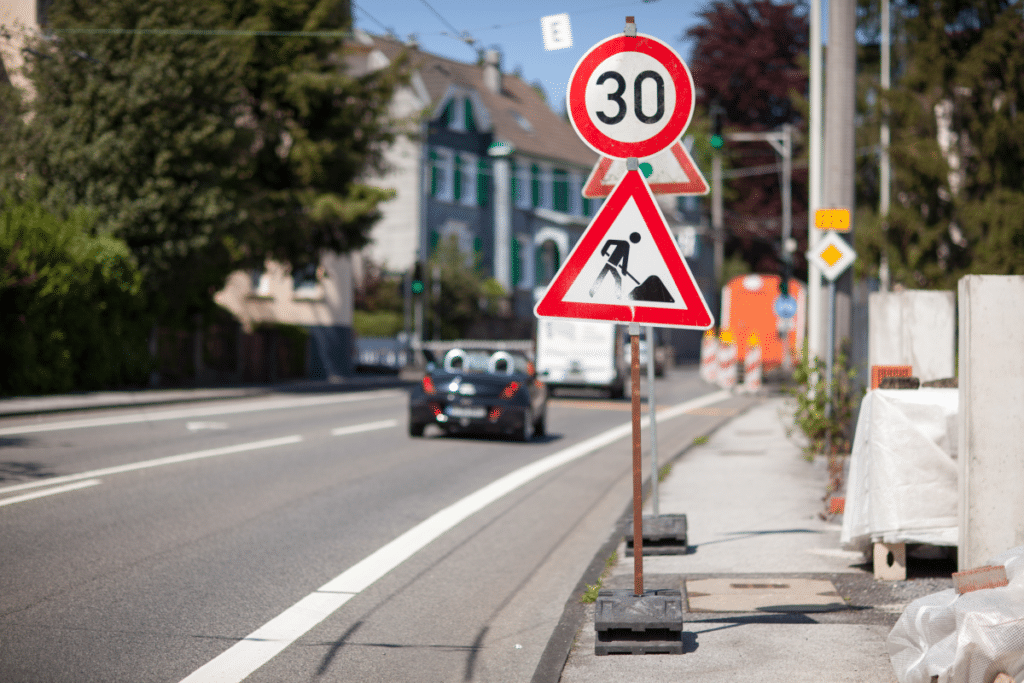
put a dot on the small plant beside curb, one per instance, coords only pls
(590, 594)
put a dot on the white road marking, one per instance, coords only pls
(198, 411)
(256, 649)
(158, 462)
(49, 492)
(196, 426)
(365, 427)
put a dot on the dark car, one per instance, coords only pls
(480, 390)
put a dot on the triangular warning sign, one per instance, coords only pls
(627, 267)
(672, 172)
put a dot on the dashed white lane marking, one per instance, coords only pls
(365, 427)
(198, 411)
(49, 492)
(259, 647)
(197, 426)
(158, 462)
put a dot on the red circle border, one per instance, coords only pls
(654, 48)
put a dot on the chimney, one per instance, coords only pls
(492, 71)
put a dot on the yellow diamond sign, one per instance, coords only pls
(832, 255)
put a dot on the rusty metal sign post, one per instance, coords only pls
(638, 517)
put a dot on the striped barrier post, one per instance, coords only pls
(752, 366)
(709, 357)
(727, 370)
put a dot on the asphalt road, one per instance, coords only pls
(302, 538)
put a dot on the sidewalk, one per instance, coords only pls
(95, 400)
(768, 595)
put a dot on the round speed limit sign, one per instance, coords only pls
(630, 96)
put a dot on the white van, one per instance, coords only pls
(577, 354)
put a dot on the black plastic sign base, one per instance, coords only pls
(663, 535)
(638, 624)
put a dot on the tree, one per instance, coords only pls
(465, 295)
(71, 308)
(204, 153)
(747, 59)
(957, 148)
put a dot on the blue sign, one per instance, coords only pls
(785, 306)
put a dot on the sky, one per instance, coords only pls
(514, 28)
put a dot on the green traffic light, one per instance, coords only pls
(417, 287)
(717, 141)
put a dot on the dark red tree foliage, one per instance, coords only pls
(746, 58)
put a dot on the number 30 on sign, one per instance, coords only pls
(630, 96)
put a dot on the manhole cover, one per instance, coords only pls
(762, 595)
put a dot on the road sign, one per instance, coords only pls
(832, 219)
(672, 172)
(630, 96)
(627, 268)
(832, 255)
(785, 306)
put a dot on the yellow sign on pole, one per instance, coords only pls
(832, 219)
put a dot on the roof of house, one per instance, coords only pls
(551, 137)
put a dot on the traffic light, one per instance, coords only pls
(417, 278)
(717, 139)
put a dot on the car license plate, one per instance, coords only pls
(466, 411)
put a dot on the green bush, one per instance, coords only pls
(377, 323)
(826, 431)
(71, 307)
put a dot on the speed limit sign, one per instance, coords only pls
(630, 96)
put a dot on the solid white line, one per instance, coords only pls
(198, 411)
(49, 492)
(365, 427)
(158, 462)
(256, 649)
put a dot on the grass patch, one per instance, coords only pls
(664, 472)
(701, 440)
(590, 594)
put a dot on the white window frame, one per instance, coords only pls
(446, 183)
(524, 200)
(547, 180)
(575, 193)
(469, 172)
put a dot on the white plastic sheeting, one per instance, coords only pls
(967, 638)
(902, 484)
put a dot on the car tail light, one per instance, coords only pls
(436, 408)
(494, 414)
(428, 384)
(510, 390)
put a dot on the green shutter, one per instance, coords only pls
(457, 182)
(513, 185)
(538, 264)
(535, 185)
(478, 245)
(517, 264)
(561, 191)
(470, 123)
(586, 206)
(482, 182)
(446, 116)
(434, 171)
(434, 239)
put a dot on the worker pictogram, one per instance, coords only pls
(627, 267)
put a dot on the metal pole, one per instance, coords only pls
(787, 224)
(435, 303)
(883, 161)
(830, 350)
(716, 218)
(814, 183)
(651, 409)
(638, 516)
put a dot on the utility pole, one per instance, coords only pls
(883, 160)
(814, 323)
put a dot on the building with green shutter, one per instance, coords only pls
(488, 162)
